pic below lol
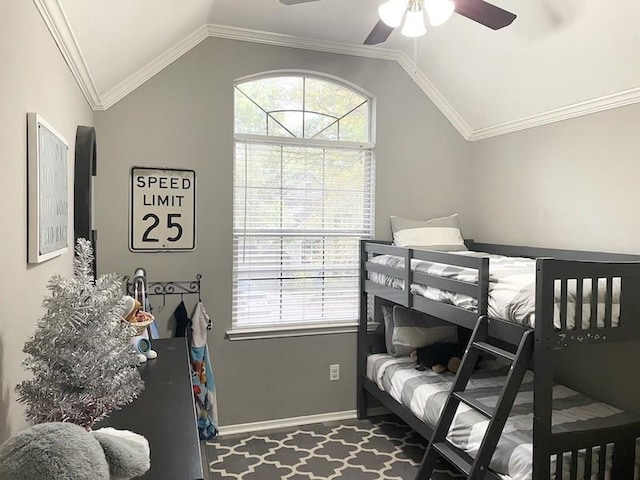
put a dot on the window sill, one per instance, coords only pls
(290, 331)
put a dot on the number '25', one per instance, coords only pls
(155, 221)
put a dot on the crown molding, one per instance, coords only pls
(56, 21)
(158, 64)
(281, 40)
(606, 102)
(435, 96)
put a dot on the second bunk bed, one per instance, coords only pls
(563, 300)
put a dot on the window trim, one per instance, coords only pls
(292, 330)
(237, 333)
(302, 142)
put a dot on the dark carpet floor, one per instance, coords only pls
(377, 449)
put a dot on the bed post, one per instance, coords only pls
(543, 371)
(408, 299)
(362, 337)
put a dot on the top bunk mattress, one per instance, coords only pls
(512, 282)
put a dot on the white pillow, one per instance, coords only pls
(436, 234)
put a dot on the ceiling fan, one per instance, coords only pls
(477, 10)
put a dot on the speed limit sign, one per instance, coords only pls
(162, 210)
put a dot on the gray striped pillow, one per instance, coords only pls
(436, 234)
(413, 330)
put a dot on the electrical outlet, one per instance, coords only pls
(334, 372)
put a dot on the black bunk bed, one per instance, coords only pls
(554, 269)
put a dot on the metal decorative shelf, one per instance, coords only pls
(139, 288)
(165, 288)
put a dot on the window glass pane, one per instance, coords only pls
(330, 98)
(249, 118)
(320, 126)
(277, 130)
(289, 122)
(355, 126)
(276, 93)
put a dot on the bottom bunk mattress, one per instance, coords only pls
(425, 393)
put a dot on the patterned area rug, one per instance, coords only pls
(376, 449)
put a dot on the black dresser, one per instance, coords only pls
(164, 413)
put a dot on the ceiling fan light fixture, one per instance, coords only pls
(439, 11)
(414, 21)
(392, 11)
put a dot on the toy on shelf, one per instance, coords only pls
(140, 319)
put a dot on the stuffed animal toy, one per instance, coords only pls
(64, 451)
(439, 357)
(132, 313)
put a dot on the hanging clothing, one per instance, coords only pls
(182, 320)
(204, 391)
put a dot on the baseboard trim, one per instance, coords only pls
(297, 421)
(286, 422)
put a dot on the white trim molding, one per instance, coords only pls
(285, 331)
(286, 422)
(154, 67)
(58, 24)
(595, 105)
(297, 421)
(281, 40)
(434, 95)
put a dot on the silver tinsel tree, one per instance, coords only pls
(81, 357)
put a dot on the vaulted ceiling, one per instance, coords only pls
(558, 60)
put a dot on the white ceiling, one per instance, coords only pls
(559, 59)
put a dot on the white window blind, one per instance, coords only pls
(299, 213)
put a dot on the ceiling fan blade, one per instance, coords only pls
(379, 33)
(484, 13)
(295, 2)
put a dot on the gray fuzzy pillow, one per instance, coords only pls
(64, 451)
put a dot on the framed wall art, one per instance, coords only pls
(48, 197)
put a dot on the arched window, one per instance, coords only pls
(303, 198)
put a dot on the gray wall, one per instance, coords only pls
(571, 184)
(183, 118)
(574, 185)
(34, 78)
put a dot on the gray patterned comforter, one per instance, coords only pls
(512, 283)
(425, 393)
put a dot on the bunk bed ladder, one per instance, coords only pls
(477, 469)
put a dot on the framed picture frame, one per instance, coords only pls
(48, 191)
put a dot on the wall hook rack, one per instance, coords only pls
(139, 288)
(167, 288)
